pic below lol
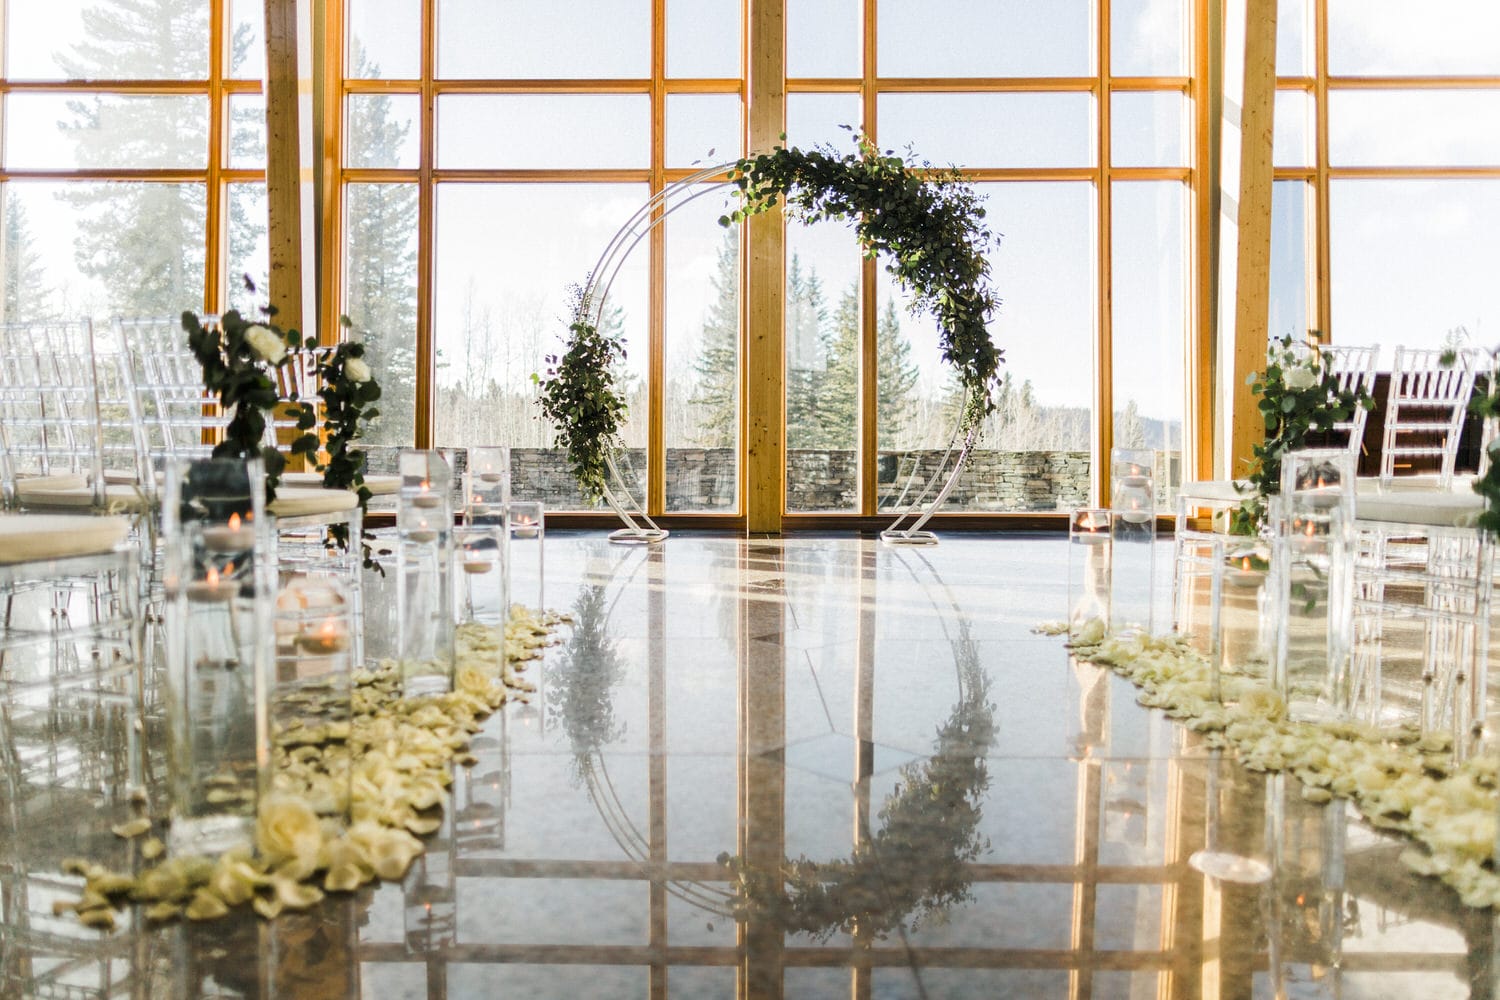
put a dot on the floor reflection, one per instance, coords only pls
(807, 768)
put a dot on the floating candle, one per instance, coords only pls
(213, 589)
(477, 566)
(230, 537)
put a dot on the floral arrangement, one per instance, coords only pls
(580, 396)
(1298, 397)
(1399, 779)
(397, 755)
(348, 390)
(1486, 405)
(237, 357)
(930, 821)
(927, 223)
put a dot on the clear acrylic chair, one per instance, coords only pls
(1423, 567)
(1198, 553)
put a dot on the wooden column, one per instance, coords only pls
(764, 389)
(1253, 258)
(283, 163)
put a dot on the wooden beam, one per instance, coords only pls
(1253, 247)
(283, 163)
(764, 395)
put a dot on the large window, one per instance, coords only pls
(465, 226)
(132, 175)
(1388, 172)
(465, 230)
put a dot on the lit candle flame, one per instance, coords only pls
(234, 522)
(1245, 564)
(213, 577)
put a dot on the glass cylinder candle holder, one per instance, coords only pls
(482, 587)
(1088, 574)
(219, 579)
(310, 691)
(487, 486)
(1312, 583)
(1133, 532)
(430, 895)
(424, 602)
(528, 534)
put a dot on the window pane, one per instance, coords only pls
(520, 39)
(703, 356)
(249, 249)
(818, 118)
(1414, 260)
(1291, 273)
(381, 130)
(1021, 130)
(247, 39)
(1389, 37)
(703, 38)
(1149, 322)
(1413, 128)
(117, 40)
(62, 131)
(1147, 129)
(385, 39)
(822, 368)
(703, 129)
(1294, 128)
(1147, 37)
(985, 38)
(247, 131)
(380, 297)
(506, 257)
(98, 249)
(1034, 453)
(516, 131)
(823, 38)
(1294, 32)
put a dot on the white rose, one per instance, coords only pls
(1300, 377)
(356, 370)
(267, 345)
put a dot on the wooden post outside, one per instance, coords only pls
(764, 389)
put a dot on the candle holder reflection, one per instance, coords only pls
(1133, 546)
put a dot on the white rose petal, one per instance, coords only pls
(1300, 377)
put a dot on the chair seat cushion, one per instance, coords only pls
(59, 481)
(1217, 490)
(297, 501)
(118, 497)
(34, 537)
(1448, 510)
(379, 486)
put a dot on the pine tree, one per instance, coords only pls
(838, 389)
(381, 291)
(145, 240)
(26, 291)
(717, 390)
(805, 318)
(895, 377)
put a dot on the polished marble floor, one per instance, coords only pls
(810, 767)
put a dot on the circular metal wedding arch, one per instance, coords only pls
(639, 528)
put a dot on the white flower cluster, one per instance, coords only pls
(1399, 781)
(1299, 369)
(267, 345)
(401, 752)
(357, 371)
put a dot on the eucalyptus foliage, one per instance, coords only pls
(1486, 405)
(1298, 396)
(927, 224)
(580, 395)
(348, 408)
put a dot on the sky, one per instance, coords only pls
(1412, 260)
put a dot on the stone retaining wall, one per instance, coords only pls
(704, 479)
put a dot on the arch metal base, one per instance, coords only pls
(899, 537)
(638, 536)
